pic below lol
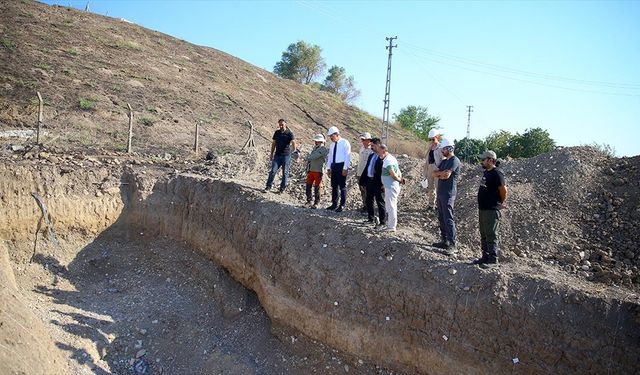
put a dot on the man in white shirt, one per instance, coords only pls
(338, 162)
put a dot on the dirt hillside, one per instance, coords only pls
(89, 67)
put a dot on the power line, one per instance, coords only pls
(504, 69)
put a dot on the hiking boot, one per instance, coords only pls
(314, 206)
(489, 265)
(441, 244)
(266, 190)
(331, 208)
(450, 249)
(340, 209)
(479, 261)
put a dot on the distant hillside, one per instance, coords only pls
(88, 67)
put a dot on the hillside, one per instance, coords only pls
(88, 67)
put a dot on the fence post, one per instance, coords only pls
(130, 128)
(197, 141)
(40, 110)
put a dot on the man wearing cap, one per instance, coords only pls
(375, 190)
(492, 195)
(338, 165)
(361, 175)
(315, 167)
(447, 174)
(283, 144)
(433, 159)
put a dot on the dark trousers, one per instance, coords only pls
(489, 223)
(338, 185)
(283, 161)
(445, 217)
(374, 192)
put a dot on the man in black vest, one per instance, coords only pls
(338, 162)
(373, 173)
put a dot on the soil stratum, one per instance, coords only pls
(161, 261)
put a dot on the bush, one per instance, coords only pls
(146, 121)
(87, 104)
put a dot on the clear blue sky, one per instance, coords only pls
(570, 67)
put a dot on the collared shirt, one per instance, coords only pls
(362, 160)
(342, 156)
(372, 164)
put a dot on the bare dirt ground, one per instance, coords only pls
(126, 300)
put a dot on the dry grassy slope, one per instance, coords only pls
(70, 55)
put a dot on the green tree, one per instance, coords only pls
(469, 148)
(338, 83)
(418, 120)
(300, 62)
(499, 142)
(532, 142)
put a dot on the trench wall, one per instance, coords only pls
(380, 299)
(386, 300)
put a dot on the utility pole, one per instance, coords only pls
(466, 151)
(469, 110)
(385, 113)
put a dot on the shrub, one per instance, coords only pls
(6, 43)
(87, 104)
(71, 51)
(146, 121)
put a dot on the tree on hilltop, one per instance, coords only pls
(301, 62)
(338, 83)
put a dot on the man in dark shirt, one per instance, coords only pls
(373, 171)
(447, 174)
(283, 145)
(492, 195)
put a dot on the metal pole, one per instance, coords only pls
(40, 110)
(130, 128)
(385, 113)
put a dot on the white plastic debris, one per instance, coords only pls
(515, 360)
(324, 245)
(445, 338)
(387, 318)
(336, 303)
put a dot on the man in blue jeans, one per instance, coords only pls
(447, 174)
(282, 146)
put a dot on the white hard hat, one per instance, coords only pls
(445, 143)
(333, 130)
(318, 138)
(433, 133)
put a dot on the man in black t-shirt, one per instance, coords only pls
(492, 195)
(282, 146)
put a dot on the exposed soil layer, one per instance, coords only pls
(127, 260)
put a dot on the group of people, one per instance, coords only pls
(380, 180)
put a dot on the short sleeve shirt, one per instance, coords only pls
(488, 195)
(449, 186)
(390, 163)
(283, 142)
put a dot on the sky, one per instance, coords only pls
(569, 67)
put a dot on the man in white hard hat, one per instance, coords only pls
(447, 174)
(361, 173)
(282, 145)
(433, 159)
(492, 195)
(392, 180)
(338, 162)
(315, 168)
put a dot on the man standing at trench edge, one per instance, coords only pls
(447, 174)
(283, 145)
(338, 166)
(492, 195)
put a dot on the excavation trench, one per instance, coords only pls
(380, 300)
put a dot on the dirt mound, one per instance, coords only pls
(88, 67)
